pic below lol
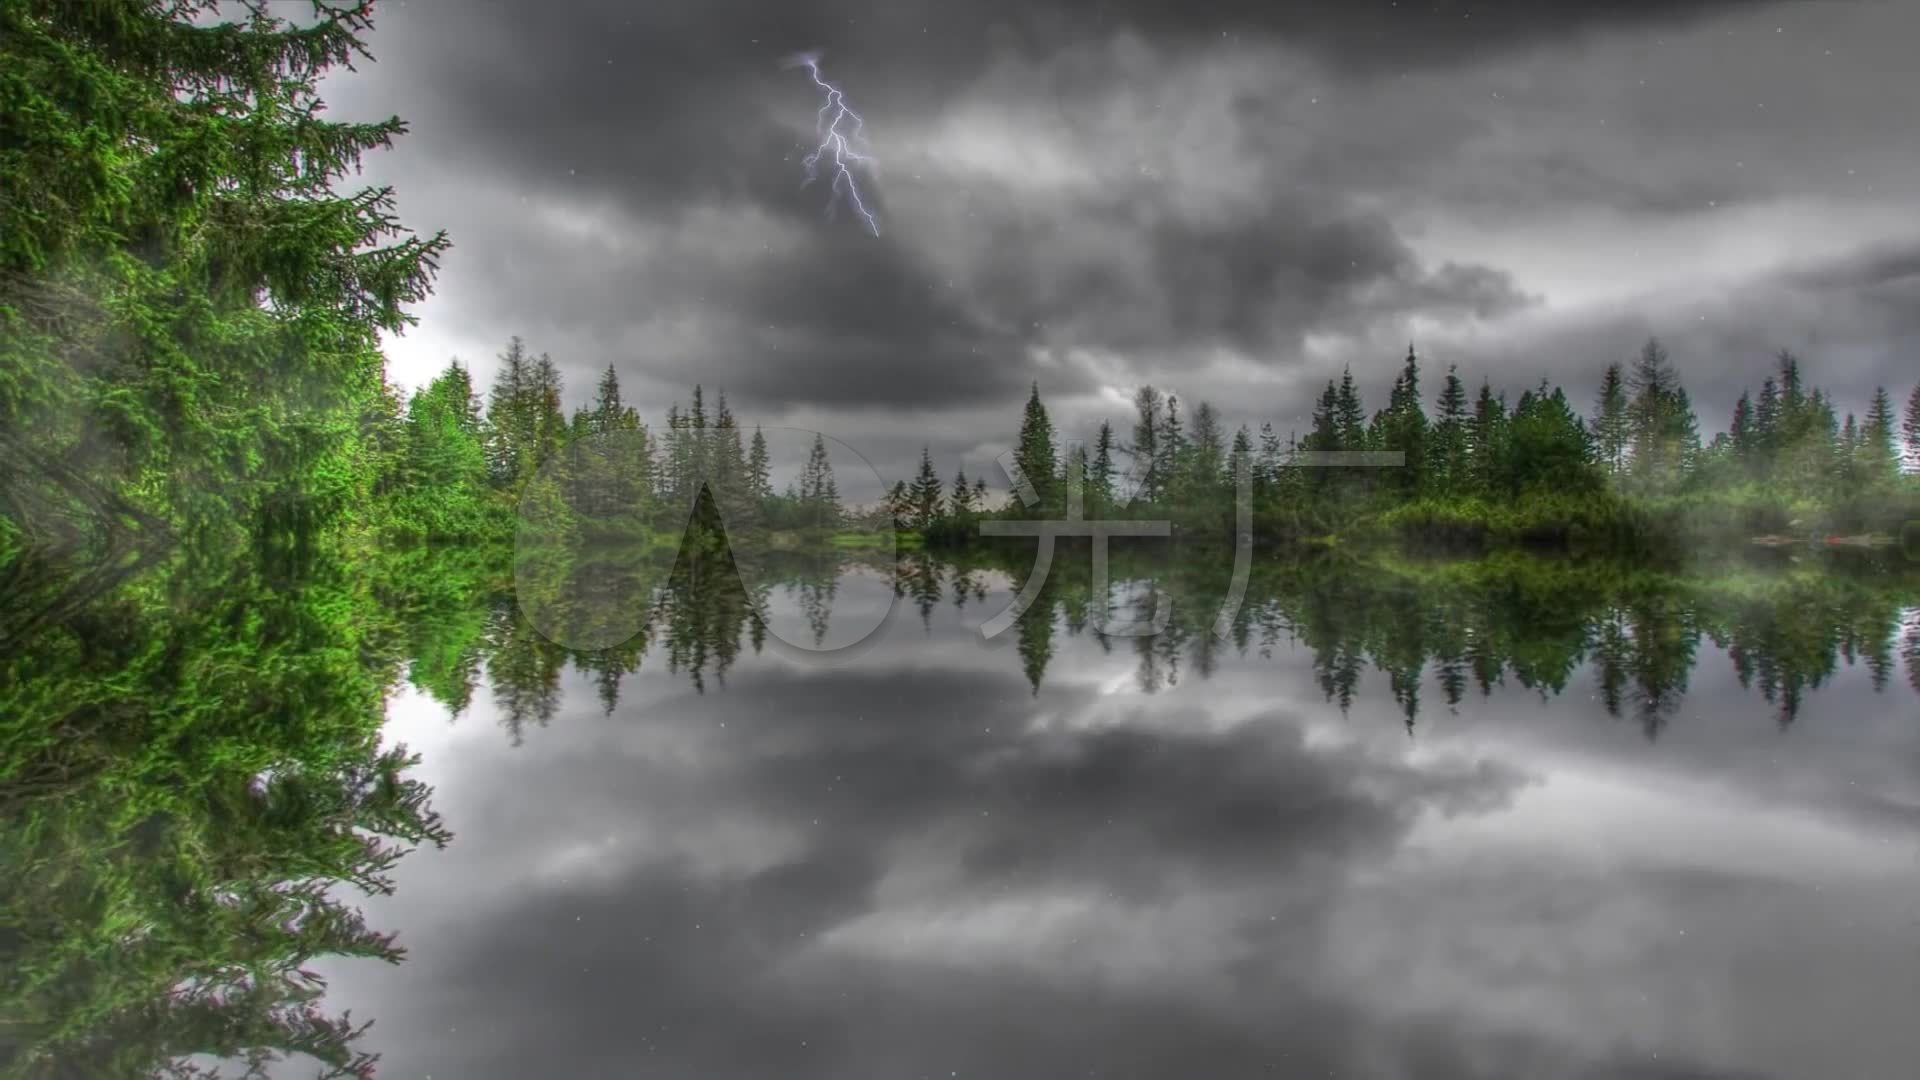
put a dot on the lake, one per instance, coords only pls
(1499, 819)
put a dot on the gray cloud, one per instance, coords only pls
(1232, 199)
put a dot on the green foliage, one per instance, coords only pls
(192, 772)
(1786, 626)
(1035, 458)
(188, 307)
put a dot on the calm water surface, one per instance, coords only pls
(1047, 855)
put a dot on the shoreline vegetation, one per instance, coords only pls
(1633, 479)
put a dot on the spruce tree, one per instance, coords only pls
(1266, 475)
(1349, 415)
(1035, 458)
(1241, 450)
(900, 505)
(1171, 453)
(960, 495)
(1487, 441)
(1880, 452)
(1663, 434)
(1403, 427)
(1741, 430)
(190, 308)
(1766, 424)
(609, 413)
(1449, 446)
(923, 495)
(1074, 474)
(1324, 437)
(1610, 423)
(819, 494)
(509, 419)
(759, 467)
(1100, 478)
(728, 460)
(1208, 441)
(1910, 429)
(1147, 406)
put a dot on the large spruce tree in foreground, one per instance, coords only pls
(189, 320)
(188, 307)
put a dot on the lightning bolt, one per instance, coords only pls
(838, 128)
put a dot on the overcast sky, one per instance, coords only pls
(1229, 200)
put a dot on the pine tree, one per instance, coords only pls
(759, 468)
(1266, 475)
(1172, 453)
(728, 460)
(1100, 478)
(676, 462)
(1880, 453)
(1664, 436)
(1487, 438)
(1147, 407)
(1742, 437)
(1325, 437)
(1035, 458)
(609, 414)
(508, 415)
(182, 286)
(1403, 427)
(1847, 470)
(923, 495)
(1910, 429)
(445, 462)
(1242, 450)
(900, 505)
(1074, 474)
(1208, 461)
(1350, 415)
(698, 445)
(960, 495)
(1610, 423)
(1792, 392)
(189, 331)
(549, 420)
(1766, 424)
(819, 495)
(1547, 446)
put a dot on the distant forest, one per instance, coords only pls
(446, 465)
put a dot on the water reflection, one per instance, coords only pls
(1474, 626)
(1642, 826)
(194, 786)
(1056, 854)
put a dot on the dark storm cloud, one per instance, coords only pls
(1249, 284)
(656, 110)
(838, 317)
